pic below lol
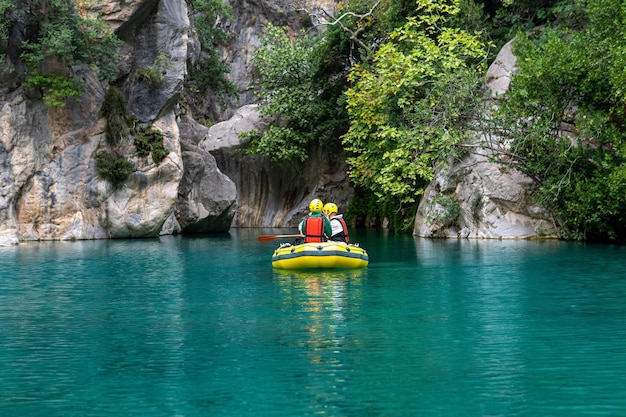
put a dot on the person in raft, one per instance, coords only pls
(338, 224)
(315, 227)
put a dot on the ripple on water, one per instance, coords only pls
(203, 326)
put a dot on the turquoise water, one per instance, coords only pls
(202, 326)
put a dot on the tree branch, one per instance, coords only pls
(354, 34)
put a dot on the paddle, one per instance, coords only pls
(267, 238)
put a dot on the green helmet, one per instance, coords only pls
(330, 208)
(316, 205)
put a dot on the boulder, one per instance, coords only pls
(477, 198)
(206, 197)
(270, 194)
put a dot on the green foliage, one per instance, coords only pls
(413, 105)
(159, 152)
(476, 207)
(209, 73)
(5, 23)
(143, 143)
(99, 47)
(58, 88)
(302, 106)
(51, 39)
(209, 70)
(573, 79)
(363, 206)
(365, 209)
(150, 141)
(113, 168)
(278, 143)
(206, 15)
(512, 16)
(445, 211)
(153, 76)
(114, 110)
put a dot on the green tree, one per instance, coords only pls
(414, 104)
(296, 100)
(563, 121)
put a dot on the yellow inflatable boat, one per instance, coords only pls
(319, 255)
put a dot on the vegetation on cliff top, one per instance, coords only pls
(208, 71)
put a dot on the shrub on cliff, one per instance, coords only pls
(49, 39)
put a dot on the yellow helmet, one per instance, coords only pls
(316, 205)
(330, 208)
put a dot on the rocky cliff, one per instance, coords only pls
(49, 187)
(50, 190)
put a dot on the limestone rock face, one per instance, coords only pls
(491, 202)
(141, 208)
(119, 12)
(476, 198)
(207, 197)
(49, 187)
(271, 195)
(47, 167)
(156, 40)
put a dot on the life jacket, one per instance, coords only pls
(314, 229)
(343, 235)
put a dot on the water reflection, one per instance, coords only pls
(322, 305)
(322, 298)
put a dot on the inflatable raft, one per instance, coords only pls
(319, 255)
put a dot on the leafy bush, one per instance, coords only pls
(113, 168)
(50, 37)
(445, 211)
(295, 98)
(114, 110)
(563, 121)
(149, 140)
(153, 76)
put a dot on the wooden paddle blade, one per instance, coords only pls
(267, 238)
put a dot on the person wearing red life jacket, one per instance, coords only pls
(338, 224)
(316, 226)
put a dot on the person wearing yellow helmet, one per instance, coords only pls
(316, 206)
(338, 224)
(330, 208)
(316, 226)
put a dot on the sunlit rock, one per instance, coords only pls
(477, 198)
